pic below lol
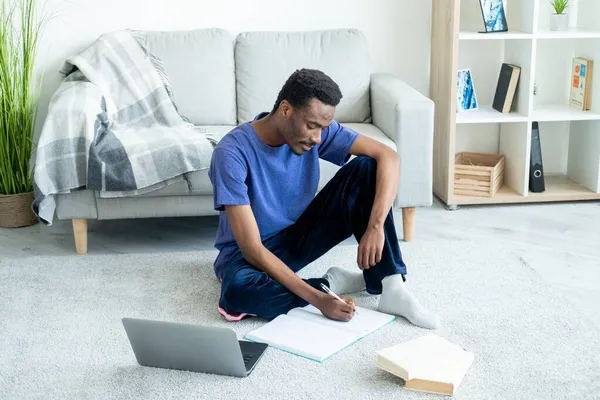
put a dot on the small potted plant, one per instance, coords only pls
(559, 21)
(19, 34)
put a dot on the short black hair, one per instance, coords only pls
(305, 84)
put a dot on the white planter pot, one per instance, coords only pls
(559, 22)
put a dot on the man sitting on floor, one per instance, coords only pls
(265, 175)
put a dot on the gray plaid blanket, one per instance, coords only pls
(113, 127)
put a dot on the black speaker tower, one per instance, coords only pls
(536, 168)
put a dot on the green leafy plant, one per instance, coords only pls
(559, 5)
(19, 36)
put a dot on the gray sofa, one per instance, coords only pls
(220, 80)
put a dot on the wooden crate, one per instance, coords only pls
(478, 174)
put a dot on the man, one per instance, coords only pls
(265, 175)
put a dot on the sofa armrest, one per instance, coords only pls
(406, 117)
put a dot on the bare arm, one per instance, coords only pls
(245, 230)
(388, 179)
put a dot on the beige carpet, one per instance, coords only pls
(62, 338)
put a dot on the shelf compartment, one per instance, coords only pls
(571, 150)
(508, 140)
(485, 59)
(554, 68)
(582, 14)
(583, 159)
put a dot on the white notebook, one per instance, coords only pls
(308, 333)
(428, 363)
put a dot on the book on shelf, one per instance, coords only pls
(580, 96)
(428, 363)
(506, 87)
(306, 332)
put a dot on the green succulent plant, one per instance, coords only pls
(559, 5)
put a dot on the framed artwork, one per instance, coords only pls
(494, 16)
(466, 98)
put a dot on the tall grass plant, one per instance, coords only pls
(19, 37)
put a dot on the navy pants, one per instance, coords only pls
(341, 209)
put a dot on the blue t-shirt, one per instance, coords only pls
(276, 183)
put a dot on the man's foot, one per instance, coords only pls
(342, 281)
(396, 299)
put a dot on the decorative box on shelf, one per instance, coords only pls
(478, 174)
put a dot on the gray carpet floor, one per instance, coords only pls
(62, 338)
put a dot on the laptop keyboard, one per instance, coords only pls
(251, 352)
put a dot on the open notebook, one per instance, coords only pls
(308, 333)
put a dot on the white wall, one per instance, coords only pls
(398, 30)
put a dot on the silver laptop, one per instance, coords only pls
(194, 348)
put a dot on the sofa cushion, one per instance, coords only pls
(200, 67)
(264, 61)
(373, 132)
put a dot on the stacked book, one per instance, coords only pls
(428, 364)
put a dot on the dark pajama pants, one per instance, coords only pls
(342, 208)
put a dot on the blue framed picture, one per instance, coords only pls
(494, 17)
(466, 98)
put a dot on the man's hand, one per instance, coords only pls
(370, 247)
(334, 309)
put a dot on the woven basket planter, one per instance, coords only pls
(15, 210)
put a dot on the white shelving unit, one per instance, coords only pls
(570, 139)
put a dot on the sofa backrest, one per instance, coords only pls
(264, 61)
(200, 66)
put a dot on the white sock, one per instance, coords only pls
(396, 299)
(342, 281)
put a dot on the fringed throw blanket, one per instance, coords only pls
(112, 127)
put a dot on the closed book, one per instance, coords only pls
(428, 363)
(581, 84)
(506, 87)
(588, 93)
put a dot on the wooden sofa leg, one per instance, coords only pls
(408, 223)
(80, 231)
